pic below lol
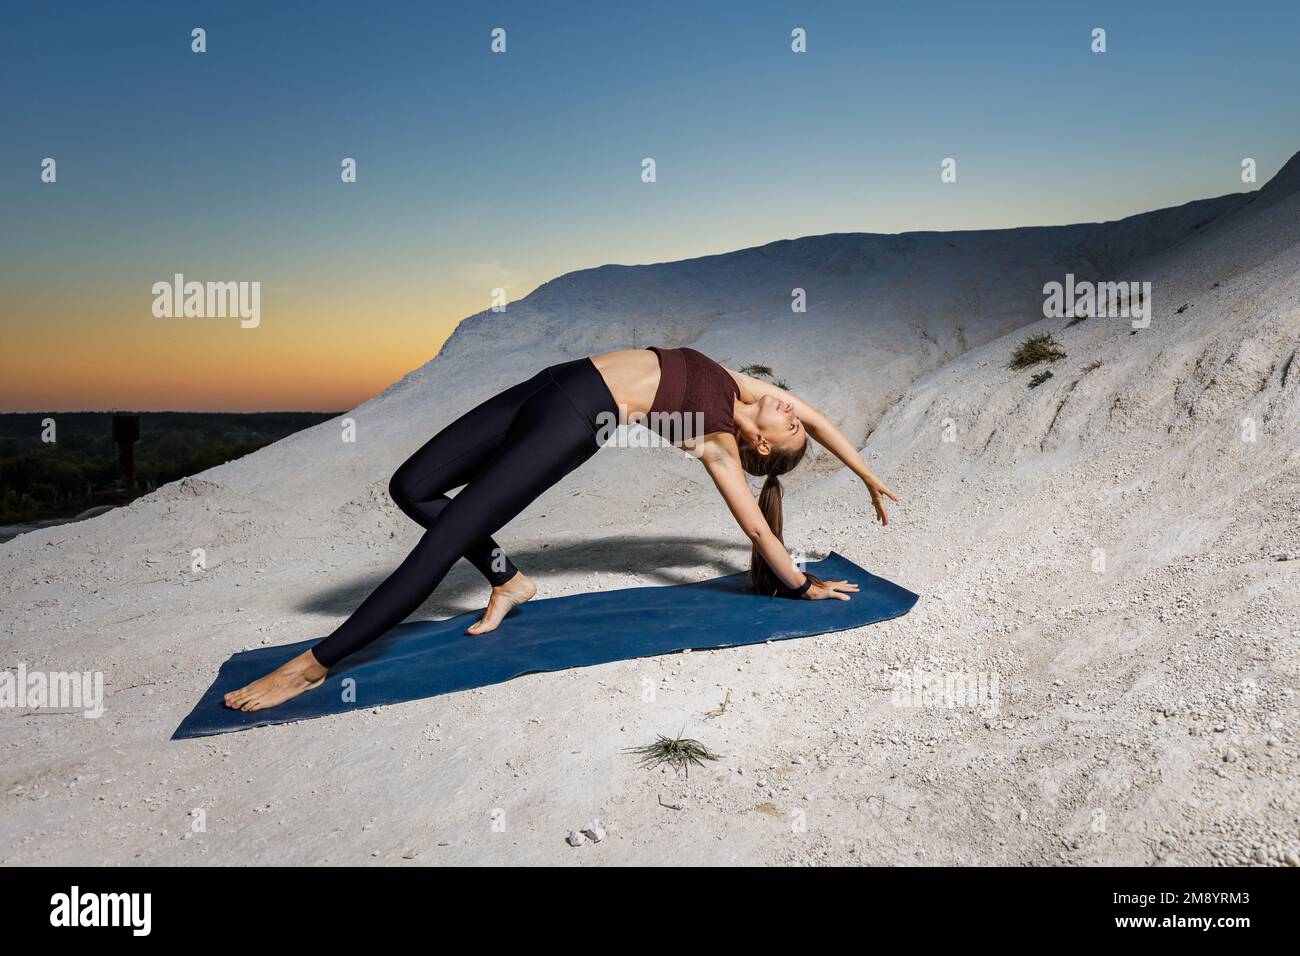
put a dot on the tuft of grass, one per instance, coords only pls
(764, 371)
(1037, 348)
(1040, 378)
(1091, 366)
(678, 752)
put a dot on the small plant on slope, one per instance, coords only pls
(678, 752)
(1035, 349)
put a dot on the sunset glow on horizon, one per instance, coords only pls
(478, 171)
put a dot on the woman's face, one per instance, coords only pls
(778, 423)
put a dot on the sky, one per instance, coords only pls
(478, 170)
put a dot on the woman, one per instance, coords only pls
(514, 446)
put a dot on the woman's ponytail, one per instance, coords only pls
(761, 575)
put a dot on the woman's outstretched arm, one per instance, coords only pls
(819, 428)
(724, 468)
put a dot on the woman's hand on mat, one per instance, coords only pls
(831, 590)
(879, 492)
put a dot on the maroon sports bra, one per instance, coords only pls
(694, 397)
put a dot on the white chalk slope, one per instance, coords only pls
(1101, 543)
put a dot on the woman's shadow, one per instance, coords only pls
(657, 561)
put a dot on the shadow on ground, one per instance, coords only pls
(654, 561)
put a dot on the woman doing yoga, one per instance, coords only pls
(515, 445)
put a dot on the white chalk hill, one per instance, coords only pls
(1104, 544)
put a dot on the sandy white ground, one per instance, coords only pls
(1147, 712)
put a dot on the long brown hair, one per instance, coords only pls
(768, 467)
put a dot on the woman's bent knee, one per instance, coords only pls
(399, 489)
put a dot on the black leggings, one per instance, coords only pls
(506, 452)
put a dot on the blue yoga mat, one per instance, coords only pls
(428, 658)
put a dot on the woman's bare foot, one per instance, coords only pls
(286, 682)
(515, 591)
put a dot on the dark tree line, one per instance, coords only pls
(80, 470)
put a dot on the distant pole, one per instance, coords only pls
(126, 432)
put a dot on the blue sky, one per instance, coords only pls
(478, 170)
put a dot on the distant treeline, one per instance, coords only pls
(40, 480)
